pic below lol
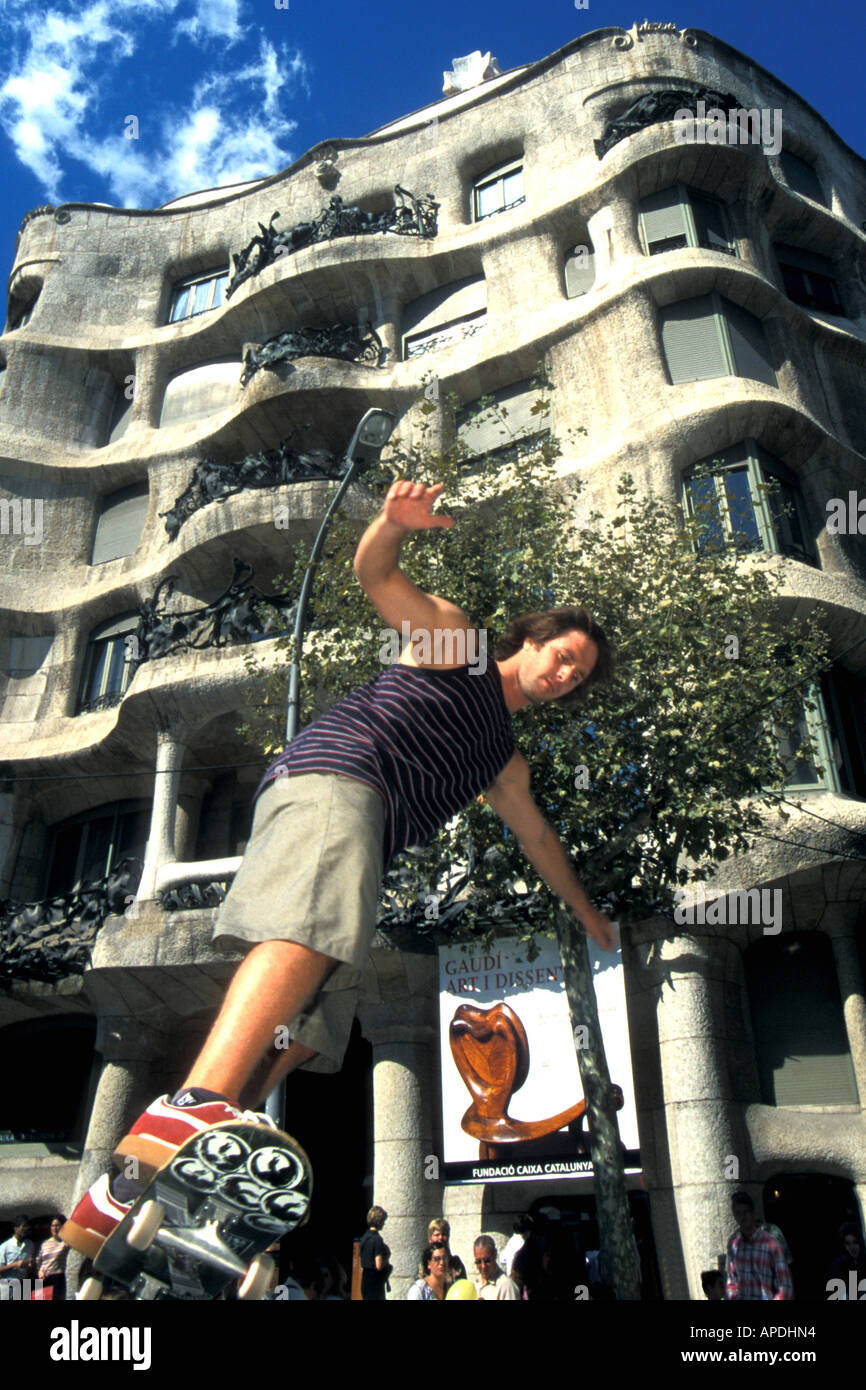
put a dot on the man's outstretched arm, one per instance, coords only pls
(408, 507)
(510, 798)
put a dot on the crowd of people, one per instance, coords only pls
(540, 1263)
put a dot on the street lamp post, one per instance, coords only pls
(369, 439)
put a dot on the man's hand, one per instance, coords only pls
(600, 928)
(409, 506)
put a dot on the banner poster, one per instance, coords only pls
(510, 1079)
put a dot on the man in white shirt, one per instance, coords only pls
(16, 1259)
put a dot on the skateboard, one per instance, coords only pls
(208, 1215)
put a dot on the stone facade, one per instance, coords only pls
(102, 392)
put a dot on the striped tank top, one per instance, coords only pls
(428, 741)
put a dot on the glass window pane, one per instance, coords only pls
(101, 662)
(704, 507)
(513, 187)
(64, 860)
(489, 198)
(741, 511)
(202, 297)
(794, 751)
(710, 223)
(180, 308)
(96, 849)
(786, 520)
(219, 290)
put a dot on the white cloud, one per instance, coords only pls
(63, 67)
(214, 19)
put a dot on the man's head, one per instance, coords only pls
(21, 1227)
(484, 1255)
(564, 654)
(744, 1212)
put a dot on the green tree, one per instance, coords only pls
(642, 784)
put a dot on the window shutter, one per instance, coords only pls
(709, 215)
(692, 341)
(800, 1038)
(748, 344)
(662, 217)
(579, 271)
(511, 419)
(459, 300)
(120, 523)
(802, 177)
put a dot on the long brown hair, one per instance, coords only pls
(553, 622)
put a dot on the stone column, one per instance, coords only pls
(405, 1087)
(127, 1046)
(160, 844)
(851, 989)
(702, 1044)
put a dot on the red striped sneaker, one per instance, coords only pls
(167, 1124)
(94, 1219)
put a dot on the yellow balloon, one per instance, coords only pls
(462, 1291)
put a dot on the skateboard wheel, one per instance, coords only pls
(147, 1222)
(255, 1282)
(90, 1289)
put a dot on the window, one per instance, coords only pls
(87, 847)
(109, 664)
(444, 316)
(21, 312)
(580, 270)
(120, 523)
(679, 216)
(808, 279)
(498, 190)
(709, 337)
(509, 422)
(801, 1043)
(810, 748)
(197, 295)
(801, 177)
(745, 496)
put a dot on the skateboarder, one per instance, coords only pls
(382, 770)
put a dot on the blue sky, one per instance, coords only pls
(226, 90)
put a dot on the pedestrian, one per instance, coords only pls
(851, 1260)
(383, 769)
(51, 1261)
(375, 1258)
(522, 1228)
(16, 1258)
(713, 1284)
(492, 1283)
(756, 1264)
(434, 1282)
(439, 1233)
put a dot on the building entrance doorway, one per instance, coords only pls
(809, 1208)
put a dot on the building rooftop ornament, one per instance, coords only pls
(469, 72)
(642, 29)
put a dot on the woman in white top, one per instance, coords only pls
(435, 1281)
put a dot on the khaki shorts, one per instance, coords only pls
(311, 874)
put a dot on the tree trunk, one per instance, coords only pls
(611, 1197)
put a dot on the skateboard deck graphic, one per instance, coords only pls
(207, 1215)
